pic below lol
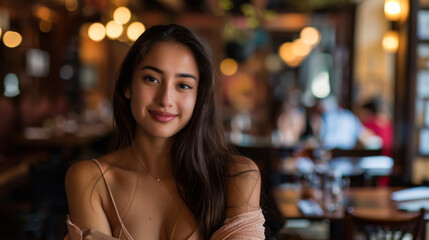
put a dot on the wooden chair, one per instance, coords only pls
(360, 227)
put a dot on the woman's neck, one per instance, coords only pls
(154, 154)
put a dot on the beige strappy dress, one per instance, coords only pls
(248, 225)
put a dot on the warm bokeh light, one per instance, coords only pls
(45, 26)
(300, 48)
(1, 31)
(96, 32)
(228, 66)
(114, 29)
(391, 41)
(392, 9)
(287, 54)
(134, 30)
(71, 5)
(310, 36)
(122, 15)
(12, 39)
(42, 12)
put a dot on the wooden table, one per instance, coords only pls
(373, 201)
(366, 201)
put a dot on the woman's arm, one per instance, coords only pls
(83, 186)
(244, 218)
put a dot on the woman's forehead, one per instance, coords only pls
(170, 56)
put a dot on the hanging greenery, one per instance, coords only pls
(312, 5)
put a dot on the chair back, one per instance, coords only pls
(363, 227)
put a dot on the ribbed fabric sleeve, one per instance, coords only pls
(248, 225)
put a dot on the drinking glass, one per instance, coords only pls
(332, 190)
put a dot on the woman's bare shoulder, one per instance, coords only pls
(84, 192)
(244, 186)
(241, 165)
(82, 173)
(88, 171)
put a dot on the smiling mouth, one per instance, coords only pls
(163, 117)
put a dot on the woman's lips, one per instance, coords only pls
(163, 117)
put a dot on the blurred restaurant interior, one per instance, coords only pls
(319, 93)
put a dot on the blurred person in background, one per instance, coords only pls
(340, 128)
(291, 122)
(378, 123)
(171, 174)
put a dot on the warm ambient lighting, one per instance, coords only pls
(45, 26)
(113, 29)
(287, 54)
(300, 48)
(391, 41)
(0, 32)
(12, 39)
(228, 66)
(71, 5)
(392, 9)
(310, 36)
(122, 15)
(135, 30)
(96, 32)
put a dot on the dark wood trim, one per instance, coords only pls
(346, 37)
(405, 92)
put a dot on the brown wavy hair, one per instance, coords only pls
(199, 152)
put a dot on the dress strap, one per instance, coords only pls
(124, 229)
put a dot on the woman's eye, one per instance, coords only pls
(151, 79)
(184, 86)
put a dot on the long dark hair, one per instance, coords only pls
(199, 152)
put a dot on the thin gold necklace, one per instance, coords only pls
(141, 164)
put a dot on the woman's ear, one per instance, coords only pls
(127, 93)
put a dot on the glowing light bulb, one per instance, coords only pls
(122, 15)
(113, 29)
(310, 36)
(300, 48)
(392, 9)
(96, 32)
(320, 87)
(288, 55)
(228, 66)
(12, 39)
(134, 30)
(390, 41)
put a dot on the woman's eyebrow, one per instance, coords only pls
(181, 75)
(186, 75)
(152, 68)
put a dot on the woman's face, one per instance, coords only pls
(164, 90)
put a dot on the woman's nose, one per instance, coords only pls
(164, 95)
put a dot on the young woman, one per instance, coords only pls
(171, 176)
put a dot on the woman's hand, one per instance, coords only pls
(92, 234)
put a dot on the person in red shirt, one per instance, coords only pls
(379, 123)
